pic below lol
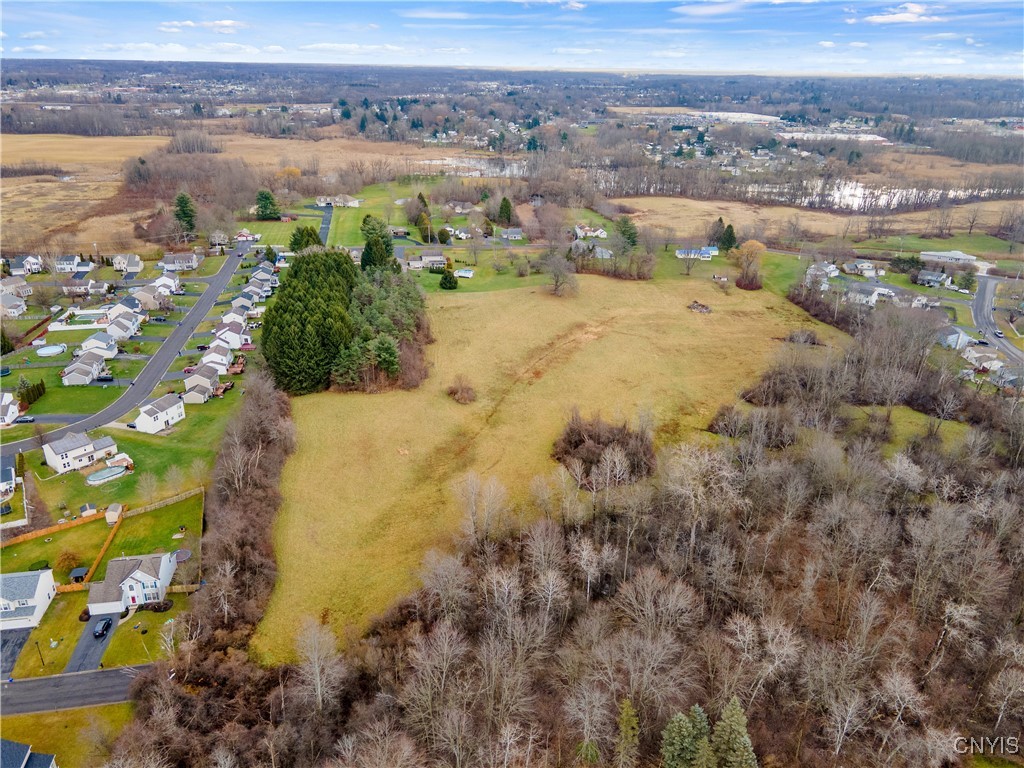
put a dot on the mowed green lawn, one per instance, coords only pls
(59, 624)
(976, 244)
(153, 532)
(130, 646)
(83, 540)
(75, 736)
(280, 232)
(377, 200)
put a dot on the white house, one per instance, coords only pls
(83, 369)
(816, 277)
(70, 264)
(24, 598)
(8, 408)
(702, 254)
(982, 359)
(167, 283)
(245, 236)
(16, 286)
(12, 306)
(127, 304)
(930, 279)
(101, 343)
(233, 334)
(149, 297)
(127, 262)
(952, 337)
(219, 356)
(860, 267)
(180, 262)
(859, 293)
(830, 269)
(582, 231)
(234, 315)
(25, 265)
(132, 581)
(512, 233)
(949, 257)
(125, 326)
(77, 450)
(160, 414)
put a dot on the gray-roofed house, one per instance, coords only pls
(24, 598)
(83, 369)
(102, 343)
(14, 754)
(11, 305)
(512, 233)
(161, 414)
(17, 286)
(25, 265)
(127, 262)
(132, 581)
(70, 264)
(930, 279)
(77, 450)
(126, 304)
(180, 262)
(952, 337)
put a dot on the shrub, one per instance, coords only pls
(461, 391)
(449, 282)
(584, 442)
(803, 336)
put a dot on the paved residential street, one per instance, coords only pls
(86, 689)
(89, 650)
(155, 369)
(984, 299)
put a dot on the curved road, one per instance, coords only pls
(80, 689)
(155, 369)
(984, 300)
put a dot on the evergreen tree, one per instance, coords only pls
(374, 255)
(730, 740)
(681, 736)
(628, 230)
(423, 202)
(304, 237)
(185, 211)
(699, 723)
(449, 282)
(266, 206)
(423, 225)
(705, 756)
(23, 388)
(384, 350)
(270, 254)
(443, 236)
(362, 123)
(589, 753)
(505, 212)
(6, 345)
(728, 240)
(627, 745)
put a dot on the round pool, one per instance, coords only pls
(52, 350)
(103, 475)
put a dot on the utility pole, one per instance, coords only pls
(39, 650)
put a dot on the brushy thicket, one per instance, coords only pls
(588, 447)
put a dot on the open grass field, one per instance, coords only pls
(59, 625)
(377, 200)
(153, 532)
(907, 424)
(280, 232)
(977, 244)
(84, 540)
(129, 646)
(353, 540)
(76, 736)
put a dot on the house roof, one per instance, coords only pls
(20, 586)
(861, 288)
(131, 302)
(102, 337)
(70, 442)
(78, 573)
(13, 282)
(88, 359)
(207, 371)
(66, 259)
(160, 405)
(927, 274)
(10, 300)
(13, 753)
(234, 327)
(202, 389)
(219, 348)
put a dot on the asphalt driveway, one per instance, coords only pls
(89, 651)
(11, 643)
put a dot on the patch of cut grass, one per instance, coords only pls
(129, 646)
(153, 532)
(907, 424)
(59, 624)
(75, 736)
(84, 540)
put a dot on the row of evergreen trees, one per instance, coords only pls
(27, 392)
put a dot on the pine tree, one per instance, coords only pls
(385, 354)
(449, 282)
(374, 255)
(304, 237)
(373, 226)
(628, 230)
(6, 345)
(266, 206)
(730, 740)
(270, 254)
(505, 212)
(681, 736)
(700, 723)
(715, 233)
(185, 211)
(423, 225)
(705, 756)
(727, 241)
(23, 389)
(627, 746)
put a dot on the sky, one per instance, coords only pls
(848, 37)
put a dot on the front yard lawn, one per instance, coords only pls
(75, 736)
(130, 646)
(59, 624)
(153, 532)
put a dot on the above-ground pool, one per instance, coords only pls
(103, 475)
(52, 350)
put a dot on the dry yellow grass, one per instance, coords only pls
(369, 488)
(688, 216)
(69, 152)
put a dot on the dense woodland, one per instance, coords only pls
(863, 607)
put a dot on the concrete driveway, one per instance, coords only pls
(89, 651)
(11, 643)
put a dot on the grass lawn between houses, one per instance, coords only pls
(153, 532)
(384, 472)
(74, 736)
(280, 232)
(130, 646)
(59, 625)
(84, 540)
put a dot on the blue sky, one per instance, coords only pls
(954, 37)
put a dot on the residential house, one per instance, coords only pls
(97, 287)
(512, 233)
(461, 206)
(583, 231)
(9, 479)
(149, 298)
(14, 754)
(72, 287)
(702, 254)
(16, 286)
(125, 326)
(1008, 376)
(949, 257)
(25, 265)
(951, 337)
(931, 279)
(205, 375)
(234, 315)
(982, 359)
(816, 277)
(346, 201)
(12, 306)
(160, 414)
(83, 369)
(218, 238)
(24, 598)
(860, 267)
(77, 450)
(129, 304)
(127, 262)
(261, 286)
(219, 356)
(234, 334)
(180, 262)
(9, 409)
(245, 236)
(860, 293)
(830, 269)
(166, 284)
(132, 581)
(102, 343)
(463, 234)
(68, 265)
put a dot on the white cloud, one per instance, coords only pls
(709, 8)
(826, 44)
(576, 51)
(850, 21)
(427, 13)
(2, 34)
(350, 48)
(573, 5)
(453, 50)
(858, 44)
(221, 27)
(33, 49)
(35, 35)
(274, 49)
(229, 48)
(907, 13)
(163, 49)
(942, 36)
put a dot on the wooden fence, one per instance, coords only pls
(165, 502)
(103, 550)
(52, 529)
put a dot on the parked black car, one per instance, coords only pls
(105, 377)
(202, 347)
(101, 628)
